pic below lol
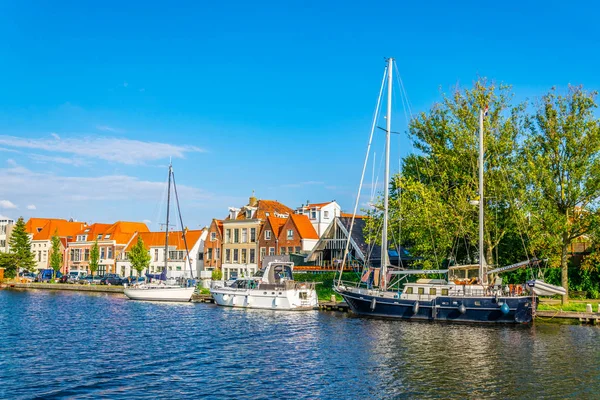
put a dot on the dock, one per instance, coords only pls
(202, 298)
(585, 318)
(333, 306)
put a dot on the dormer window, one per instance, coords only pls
(39, 230)
(267, 235)
(267, 214)
(248, 214)
(99, 236)
(107, 236)
(326, 214)
(313, 214)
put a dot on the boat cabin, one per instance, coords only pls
(277, 272)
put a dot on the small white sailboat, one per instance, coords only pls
(272, 288)
(160, 290)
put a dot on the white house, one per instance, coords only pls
(321, 215)
(6, 225)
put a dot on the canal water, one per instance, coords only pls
(57, 344)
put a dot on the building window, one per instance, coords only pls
(244, 260)
(99, 236)
(155, 254)
(213, 236)
(217, 254)
(263, 253)
(252, 235)
(110, 252)
(102, 252)
(244, 235)
(271, 251)
(228, 236)
(107, 236)
(297, 249)
(101, 270)
(86, 254)
(326, 214)
(209, 254)
(267, 235)
(282, 251)
(267, 214)
(313, 215)
(236, 254)
(236, 236)
(227, 255)
(253, 255)
(290, 234)
(290, 250)
(248, 214)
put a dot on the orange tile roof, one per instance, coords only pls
(305, 229)
(34, 224)
(276, 224)
(92, 231)
(317, 205)
(122, 231)
(58, 227)
(157, 239)
(271, 207)
(349, 215)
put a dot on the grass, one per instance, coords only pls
(574, 306)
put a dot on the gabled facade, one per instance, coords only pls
(212, 245)
(297, 235)
(268, 241)
(321, 215)
(112, 240)
(41, 238)
(177, 262)
(240, 235)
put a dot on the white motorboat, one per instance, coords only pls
(272, 288)
(159, 292)
(542, 288)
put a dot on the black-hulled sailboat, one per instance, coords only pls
(465, 296)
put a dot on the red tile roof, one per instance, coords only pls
(35, 224)
(276, 224)
(305, 229)
(349, 215)
(317, 205)
(157, 239)
(58, 227)
(271, 207)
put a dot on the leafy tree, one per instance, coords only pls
(20, 247)
(562, 150)
(94, 258)
(432, 207)
(139, 256)
(56, 257)
(217, 274)
(8, 261)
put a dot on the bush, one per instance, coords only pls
(217, 275)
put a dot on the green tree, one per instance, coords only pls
(431, 201)
(20, 247)
(9, 263)
(217, 274)
(139, 256)
(562, 149)
(56, 257)
(94, 258)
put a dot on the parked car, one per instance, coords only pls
(45, 275)
(89, 280)
(111, 279)
(27, 276)
(134, 280)
(75, 276)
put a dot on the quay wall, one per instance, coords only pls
(64, 286)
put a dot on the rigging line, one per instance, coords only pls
(183, 230)
(156, 213)
(385, 72)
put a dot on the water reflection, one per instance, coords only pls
(85, 345)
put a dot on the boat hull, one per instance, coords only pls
(266, 299)
(443, 308)
(176, 294)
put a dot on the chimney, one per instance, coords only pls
(252, 201)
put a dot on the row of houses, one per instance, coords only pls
(239, 244)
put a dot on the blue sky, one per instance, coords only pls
(275, 97)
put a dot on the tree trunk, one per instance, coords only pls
(564, 266)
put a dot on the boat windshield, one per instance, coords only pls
(259, 273)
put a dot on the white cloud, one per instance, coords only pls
(301, 184)
(7, 204)
(119, 150)
(147, 221)
(106, 128)
(31, 207)
(11, 162)
(75, 161)
(55, 136)
(9, 150)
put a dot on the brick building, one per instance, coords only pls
(212, 245)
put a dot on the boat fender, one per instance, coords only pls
(416, 307)
(462, 309)
(505, 309)
(373, 304)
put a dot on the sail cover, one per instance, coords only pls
(162, 276)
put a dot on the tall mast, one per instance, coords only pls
(482, 264)
(386, 183)
(167, 227)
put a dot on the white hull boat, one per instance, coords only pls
(542, 288)
(274, 290)
(159, 292)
